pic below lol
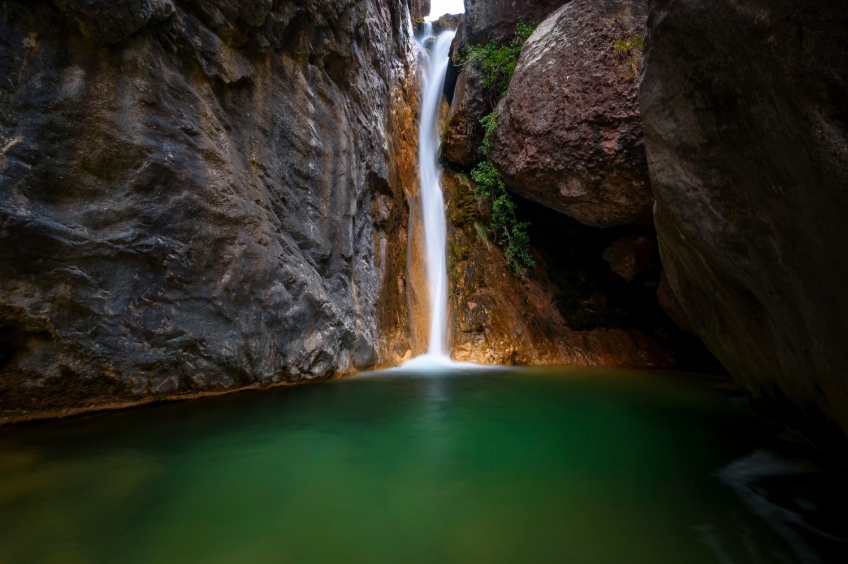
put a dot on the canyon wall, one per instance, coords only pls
(200, 195)
(746, 123)
(569, 137)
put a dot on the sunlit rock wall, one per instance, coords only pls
(200, 195)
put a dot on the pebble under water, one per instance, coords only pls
(485, 465)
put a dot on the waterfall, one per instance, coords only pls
(432, 202)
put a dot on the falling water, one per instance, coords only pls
(432, 203)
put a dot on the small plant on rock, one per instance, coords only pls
(509, 233)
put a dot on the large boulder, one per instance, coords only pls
(212, 200)
(746, 128)
(570, 134)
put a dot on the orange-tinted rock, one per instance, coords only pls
(500, 318)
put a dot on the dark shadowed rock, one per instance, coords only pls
(213, 200)
(671, 305)
(570, 134)
(746, 128)
(632, 255)
(463, 133)
(497, 317)
(116, 20)
(496, 19)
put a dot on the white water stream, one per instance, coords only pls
(432, 202)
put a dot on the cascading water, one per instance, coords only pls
(432, 202)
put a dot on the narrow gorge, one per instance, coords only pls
(598, 244)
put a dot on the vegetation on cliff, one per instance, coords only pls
(497, 61)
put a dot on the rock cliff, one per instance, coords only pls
(569, 309)
(200, 195)
(495, 19)
(746, 127)
(570, 117)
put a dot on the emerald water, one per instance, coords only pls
(466, 466)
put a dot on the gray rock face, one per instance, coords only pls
(570, 134)
(496, 19)
(746, 129)
(210, 201)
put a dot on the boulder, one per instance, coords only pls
(746, 129)
(570, 135)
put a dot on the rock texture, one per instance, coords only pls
(200, 195)
(746, 128)
(463, 133)
(484, 21)
(496, 19)
(570, 135)
(499, 318)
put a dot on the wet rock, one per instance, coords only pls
(746, 131)
(570, 135)
(419, 9)
(215, 199)
(446, 22)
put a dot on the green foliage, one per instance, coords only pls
(628, 45)
(509, 233)
(629, 50)
(496, 60)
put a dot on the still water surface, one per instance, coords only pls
(467, 466)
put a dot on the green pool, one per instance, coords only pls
(459, 466)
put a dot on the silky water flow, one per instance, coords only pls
(436, 49)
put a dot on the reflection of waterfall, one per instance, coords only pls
(432, 203)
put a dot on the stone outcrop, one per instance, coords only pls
(200, 195)
(500, 318)
(496, 19)
(419, 9)
(570, 134)
(463, 133)
(484, 21)
(746, 129)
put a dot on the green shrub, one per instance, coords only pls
(497, 62)
(509, 233)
